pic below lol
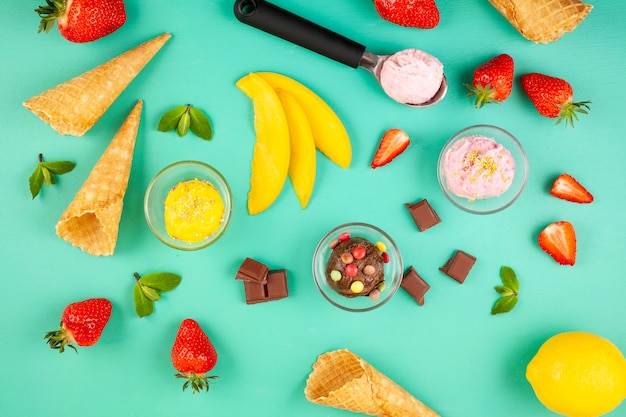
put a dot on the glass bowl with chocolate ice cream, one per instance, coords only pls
(357, 267)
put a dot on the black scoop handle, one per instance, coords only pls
(286, 25)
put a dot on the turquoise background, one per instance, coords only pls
(450, 353)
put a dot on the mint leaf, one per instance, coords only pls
(143, 306)
(161, 281)
(170, 119)
(45, 174)
(504, 305)
(503, 290)
(36, 181)
(150, 293)
(509, 278)
(59, 167)
(183, 124)
(200, 124)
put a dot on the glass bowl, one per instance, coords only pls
(393, 269)
(492, 204)
(168, 178)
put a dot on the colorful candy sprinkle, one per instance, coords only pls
(381, 246)
(358, 252)
(381, 287)
(333, 244)
(346, 258)
(385, 256)
(335, 275)
(344, 236)
(351, 270)
(374, 295)
(356, 287)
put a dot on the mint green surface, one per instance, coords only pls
(450, 353)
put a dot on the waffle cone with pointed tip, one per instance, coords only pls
(73, 107)
(91, 221)
(342, 379)
(543, 21)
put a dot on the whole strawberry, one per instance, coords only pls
(193, 355)
(82, 20)
(82, 323)
(492, 81)
(553, 97)
(422, 14)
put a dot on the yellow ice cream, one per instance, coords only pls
(193, 211)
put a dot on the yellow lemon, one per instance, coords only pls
(578, 374)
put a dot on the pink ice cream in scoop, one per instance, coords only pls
(411, 76)
(477, 167)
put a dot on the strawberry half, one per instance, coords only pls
(392, 144)
(82, 20)
(193, 355)
(553, 97)
(559, 241)
(567, 188)
(492, 81)
(422, 14)
(81, 323)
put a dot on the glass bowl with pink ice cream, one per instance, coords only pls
(482, 169)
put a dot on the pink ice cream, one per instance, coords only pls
(477, 167)
(411, 76)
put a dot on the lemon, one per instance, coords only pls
(578, 374)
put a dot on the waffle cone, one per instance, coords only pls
(73, 107)
(543, 21)
(342, 379)
(91, 221)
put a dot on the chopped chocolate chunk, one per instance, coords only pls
(274, 289)
(255, 292)
(459, 266)
(414, 285)
(251, 270)
(277, 284)
(423, 214)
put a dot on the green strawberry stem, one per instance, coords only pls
(569, 112)
(59, 339)
(49, 14)
(198, 382)
(484, 94)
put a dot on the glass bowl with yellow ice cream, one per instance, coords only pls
(188, 205)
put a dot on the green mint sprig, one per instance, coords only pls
(183, 118)
(45, 174)
(508, 291)
(148, 289)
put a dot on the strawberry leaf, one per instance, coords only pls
(161, 281)
(200, 124)
(150, 293)
(143, 306)
(504, 304)
(36, 181)
(509, 278)
(169, 121)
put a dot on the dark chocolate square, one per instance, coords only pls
(459, 266)
(277, 284)
(255, 292)
(423, 214)
(415, 285)
(251, 270)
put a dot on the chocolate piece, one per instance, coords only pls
(459, 266)
(277, 284)
(255, 292)
(251, 270)
(274, 289)
(423, 214)
(414, 285)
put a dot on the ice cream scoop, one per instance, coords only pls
(293, 28)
